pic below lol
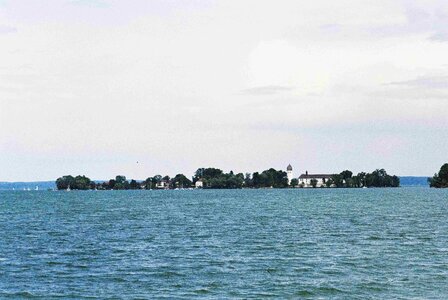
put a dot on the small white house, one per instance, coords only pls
(199, 184)
(162, 184)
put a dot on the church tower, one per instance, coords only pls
(289, 173)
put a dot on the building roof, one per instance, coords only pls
(310, 176)
(289, 168)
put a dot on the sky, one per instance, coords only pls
(107, 87)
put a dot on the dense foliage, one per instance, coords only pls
(440, 180)
(378, 178)
(75, 183)
(216, 179)
(269, 179)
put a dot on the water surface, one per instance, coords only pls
(301, 243)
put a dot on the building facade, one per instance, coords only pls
(320, 180)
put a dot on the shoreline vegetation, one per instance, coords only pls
(213, 178)
(440, 180)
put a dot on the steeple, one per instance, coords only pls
(289, 173)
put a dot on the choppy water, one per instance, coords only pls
(315, 243)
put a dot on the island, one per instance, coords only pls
(214, 178)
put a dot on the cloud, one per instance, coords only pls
(432, 82)
(92, 3)
(441, 37)
(266, 90)
(331, 28)
(7, 29)
(428, 17)
(410, 18)
(188, 83)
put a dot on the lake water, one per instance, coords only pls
(301, 243)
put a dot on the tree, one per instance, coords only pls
(443, 173)
(198, 174)
(156, 179)
(313, 182)
(217, 179)
(256, 180)
(338, 180)
(64, 182)
(111, 184)
(346, 174)
(355, 182)
(248, 182)
(362, 179)
(380, 178)
(148, 183)
(208, 173)
(395, 181)
(234, 181)
(440, 180)
(81, 183)
(93, 185)
(181, 181)
(273, 178)
(120, 183)
(262, 180)
(294, 182)
(120, 179)
(133, 185)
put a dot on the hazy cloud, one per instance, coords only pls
(331, 28)
(417, 17)
(7, 29)
(266, 90)
(181, 84)
(92, 3)
(430, 17)
(441, 37)
(432, 82)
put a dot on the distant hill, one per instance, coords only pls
(41, 185)
(413, 181)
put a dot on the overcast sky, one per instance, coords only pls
(94, 86)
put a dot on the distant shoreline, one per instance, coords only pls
(405, 181)
(207, 189)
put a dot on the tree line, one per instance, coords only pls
(213, 178)
(346, 179)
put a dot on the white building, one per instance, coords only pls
(199, 184)
(162, 184)
(289, 173)
(321, 179)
